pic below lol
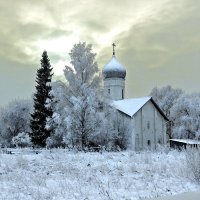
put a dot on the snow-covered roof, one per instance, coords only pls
(186, 141)
(114, 69)
(132, 106)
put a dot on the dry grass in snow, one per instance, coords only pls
(60, 174)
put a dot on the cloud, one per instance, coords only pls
(155, 39)
(161, 51)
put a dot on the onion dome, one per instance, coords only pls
(114, 69)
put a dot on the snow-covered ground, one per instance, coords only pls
(59, 174)
(184, 196)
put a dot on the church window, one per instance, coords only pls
(148, 125)
(149, 143)
(122, 93)
(108, 91)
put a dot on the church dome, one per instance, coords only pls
(114, 69)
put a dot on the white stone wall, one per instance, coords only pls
(150, 128)
(115, 87)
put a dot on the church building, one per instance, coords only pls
(146, 118)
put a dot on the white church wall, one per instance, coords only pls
(138, 131)
(150, 127)
(160, 128)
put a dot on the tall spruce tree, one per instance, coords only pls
(41, 111)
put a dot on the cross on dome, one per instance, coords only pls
(114, 69)
(114, 45)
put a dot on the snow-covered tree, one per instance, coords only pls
(122, 127)
(166, 97)
(78, 108)
(84, 116)
(186, 117)
(22, 140)
(42, 97)
(103, 138)
(14, 119)
(57, 122)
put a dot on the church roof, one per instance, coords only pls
(114, 69)
(186, 141)
(131, 106)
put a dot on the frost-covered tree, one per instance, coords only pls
(166, 97)
(78, 109)
(42, 97)
(122, 127)
(186, 117)
(62, 135)
(57, 122)
(84, 116)
(14, 119)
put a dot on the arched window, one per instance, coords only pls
(109, 91)
(122, 93)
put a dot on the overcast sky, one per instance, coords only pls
(158, 41)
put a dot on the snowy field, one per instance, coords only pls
(59, 174)
(184, 196)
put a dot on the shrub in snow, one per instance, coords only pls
(193, 162)
(163, 148)
(22, 140)
(14, 118)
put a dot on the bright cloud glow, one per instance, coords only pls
(57, 45)
(59, 67)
